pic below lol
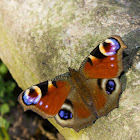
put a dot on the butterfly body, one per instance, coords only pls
(79, 82)
(77, 98)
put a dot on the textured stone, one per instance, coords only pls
(41, 39)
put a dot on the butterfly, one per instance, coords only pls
(78, 98)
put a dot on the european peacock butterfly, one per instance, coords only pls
(77, 98)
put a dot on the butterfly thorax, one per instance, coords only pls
(79, 82)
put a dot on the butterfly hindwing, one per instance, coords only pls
(80, 115)
(77, 114)
(105, 94)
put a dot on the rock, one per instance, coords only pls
(41, 39)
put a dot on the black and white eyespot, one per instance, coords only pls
(66, 111)
(65, 115)
(110, 86)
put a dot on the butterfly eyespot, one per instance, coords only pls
(32, 95)
(110, 86)
(109, 47)
(65, 114)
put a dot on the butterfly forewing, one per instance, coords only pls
(105, 61)
(46, 98)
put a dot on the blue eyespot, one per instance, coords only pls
(110, 47)
(65, 114)
(110, 86)
(31, 96)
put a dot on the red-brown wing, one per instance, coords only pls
(105, 94)
(105, 61)
(46, 98)
(80, 115)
